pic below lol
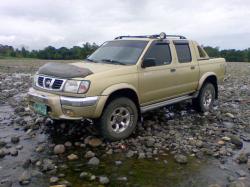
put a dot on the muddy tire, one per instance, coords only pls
(204, 101)
(119, 119)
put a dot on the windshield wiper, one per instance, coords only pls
(91, 60)
(113, 61)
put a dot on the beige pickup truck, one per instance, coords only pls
(126, 77)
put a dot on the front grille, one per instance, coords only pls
(50, 83)
(57, 84)
(40, 81)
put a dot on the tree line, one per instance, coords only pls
(81, 52)
(231, 55)
(50, 53)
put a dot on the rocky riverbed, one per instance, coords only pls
(173, 146)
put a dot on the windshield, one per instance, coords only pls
(124, 52)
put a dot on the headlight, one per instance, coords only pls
(74, 86)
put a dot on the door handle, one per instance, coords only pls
(172, 70)
(192, 67)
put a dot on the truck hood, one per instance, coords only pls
(96, 67)
(74, 70)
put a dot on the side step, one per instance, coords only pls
(164, 103)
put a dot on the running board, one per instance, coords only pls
(164, 103)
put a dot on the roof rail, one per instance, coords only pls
(160, 36)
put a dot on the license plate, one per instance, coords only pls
(40, 108)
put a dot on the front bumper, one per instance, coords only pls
(62, 107)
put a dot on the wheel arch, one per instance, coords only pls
(122, 90)
(212, 78)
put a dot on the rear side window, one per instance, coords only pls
(201, 52)
(183, 52)
(160, 52)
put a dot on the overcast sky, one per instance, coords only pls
(39, 23)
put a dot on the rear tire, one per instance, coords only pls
(119, 119)
(204, 101)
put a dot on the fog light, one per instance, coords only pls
(68, 112)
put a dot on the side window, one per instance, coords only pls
(201, 52)
(183, 52)
(160, 52)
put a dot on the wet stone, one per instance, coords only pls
(15, 139)
(89, 154)
(59, 149)
(53, 180)
(181, 159)
(94, 161)
(72, 157)
(95, 142)
(104, 180)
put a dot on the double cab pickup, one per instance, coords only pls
(126, 77)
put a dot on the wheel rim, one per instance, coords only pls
(207, 99)
(120, 119)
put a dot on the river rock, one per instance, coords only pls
(94, 161)
(236, 141)
(25, 178)
(53, 180)
(181, 159)
(13, 152)
(237, 184)
(2, 143)
(95, 142)
(72, 157)
(15, 139)
(103, 180)
(68, 144)
(229, 115)
(130, 154)
(2, 153)
(214, 185)
(242, 158)
(241, 173)
(59, 149)
(89, 154)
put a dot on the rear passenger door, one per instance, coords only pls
(187, 68)
(157, 82)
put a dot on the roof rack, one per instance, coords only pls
(160, 36)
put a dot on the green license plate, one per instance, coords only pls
(40, 108)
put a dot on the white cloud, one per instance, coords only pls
(40, 23)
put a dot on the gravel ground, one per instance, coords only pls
(174, 146)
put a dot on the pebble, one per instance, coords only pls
(72, 157)
(130, 154)
(242, 158)
(15, 139)
(53, 180)
(59, 149)
(236, 141)
(237, 184)
(181, 159)
(2, 153)
(95, 142)
(89, 154)
(25, 178)
(68, 144)
(104, 180)
(94, 161)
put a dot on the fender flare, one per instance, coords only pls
(109, 90)
(204, 77)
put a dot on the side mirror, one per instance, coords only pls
(148, 62)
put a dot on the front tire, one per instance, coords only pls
(205, 100)
(119, 119)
